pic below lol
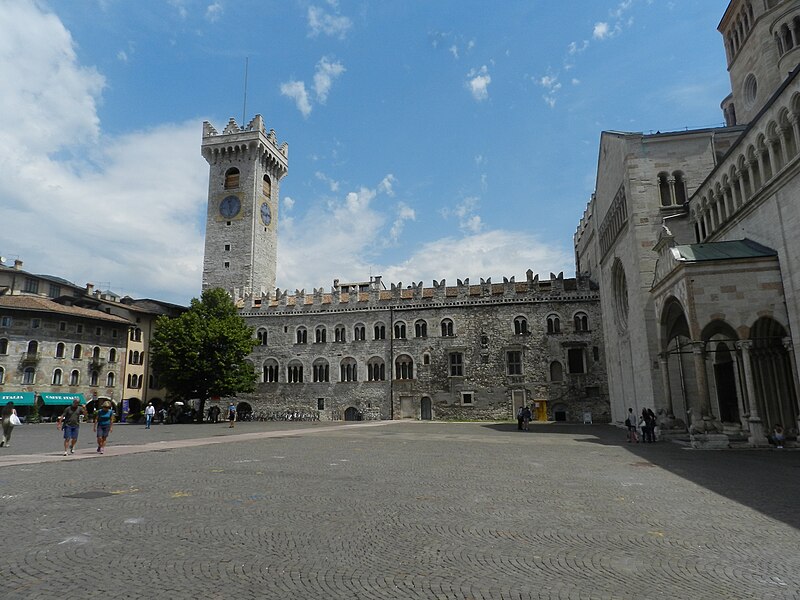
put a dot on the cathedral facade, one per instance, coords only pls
(691, 237)
(365, 351)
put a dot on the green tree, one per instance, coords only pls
(202, 353)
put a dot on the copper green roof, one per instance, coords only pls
(722, 251)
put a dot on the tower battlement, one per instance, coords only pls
(236, 141)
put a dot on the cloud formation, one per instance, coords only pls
(296, 90)
(325, 72)
(478, 81)
(320, 21)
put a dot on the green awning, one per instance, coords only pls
(60, 399)
(18, 398)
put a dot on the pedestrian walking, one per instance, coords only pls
(69, 422)
(103, 424)
(651, 420)
(519, 417)
(231, 414)
(526, 418)
(630, 422)
(10, 419)
(644, 424)
(149, 413)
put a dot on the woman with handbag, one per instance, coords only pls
(10, 419)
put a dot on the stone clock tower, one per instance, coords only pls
(246, 165)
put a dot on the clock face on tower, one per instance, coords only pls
(266, 214)
(229, 207)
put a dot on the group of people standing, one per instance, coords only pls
(524, 416)
(646, 422)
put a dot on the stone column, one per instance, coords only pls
(796, 130)
(773, 163)
(742, 197)
(699, 355)
(762, 173)
(663, 358)
(757, 437)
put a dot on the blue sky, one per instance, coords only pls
(427, 139)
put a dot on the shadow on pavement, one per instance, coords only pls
(766, 480)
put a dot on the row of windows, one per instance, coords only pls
(7, 321)
(404, 367)
(742, 25)
(580, 321)
(29, 377)
(58, 378)
(61, 350)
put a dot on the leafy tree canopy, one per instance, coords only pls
(202, 352)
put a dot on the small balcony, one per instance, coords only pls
(30, 358)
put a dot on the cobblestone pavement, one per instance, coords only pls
(393, 510)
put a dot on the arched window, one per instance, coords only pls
(556, 371)
(359, 332)
(376, 369)
(57, 377)
(302, 335)
(111, 379)
(266, 186)
(270, 371)
(663, 189)
(94, 376)
(399, 330)
(112, 355)
(2, 375)
(61, 349)
(447, 328)
(340, 334)
(232, 178)
(380, 331)
(404, 367)
(29, 376)
(680, 188)
(75, 377)
(581, 322)
(321, 370)
(33, 348)
(96, 352)
(320, 335)
(520, 326)
(421, 329)
(294, 372)
(77, 352)
(348, 370)
(3, 346)
(261, 335)
(553, 324)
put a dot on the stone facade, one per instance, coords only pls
(464, 352)
(57, 316)
(692, 239)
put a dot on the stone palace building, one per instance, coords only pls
(362, 351)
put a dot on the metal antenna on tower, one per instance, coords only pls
(244, 104)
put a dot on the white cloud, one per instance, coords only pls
(214, 12)
(404, 213)
(331, 183)
(600, 31)
(326, 72)
(465, 211)
(116, 207)
(122, 56)
(386, 185)
(454, 51)
(478, 81)
(296, 90)
(552, 86)
(320, 21)
(496, 254)
(577, 47)
(288, 203)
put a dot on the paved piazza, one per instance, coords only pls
(393, 510)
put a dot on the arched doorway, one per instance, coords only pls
(244, 412)
(425, 412)
(772, 375)
(720, 339)
(352, 414)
